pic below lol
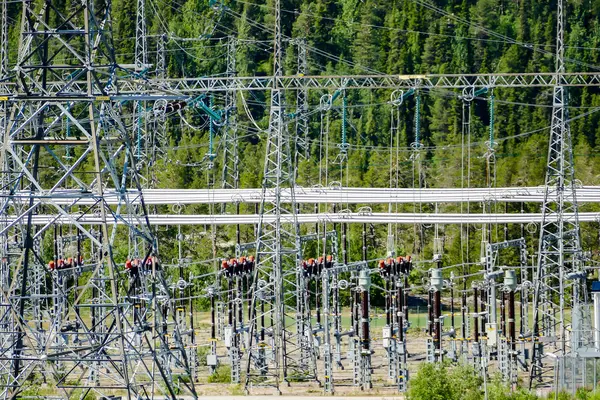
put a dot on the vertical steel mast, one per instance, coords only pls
(159, 132)
(303, 147)
(230, 174)
(142, 143)
(558, 275)
(274, 351)
(3, 39)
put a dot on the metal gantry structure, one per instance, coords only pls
(274, 352)
(75, 320)
(88, 305)
(560, 274)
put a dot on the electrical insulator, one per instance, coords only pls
(382, 268)
(251, 264)
(386, 268)
(437, 282)
(315, 266)
(364, 280)
(406, 265)
(329, 261)
(242, 267)
(246, 265)
(304, 266)
(400, 267)
(391, 267)
(235, 270)
(174, 106)
(320, 265)
(132, 266)
(225, 268)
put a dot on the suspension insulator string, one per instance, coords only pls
(211, 133)
(344, 145)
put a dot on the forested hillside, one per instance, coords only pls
(379, 37)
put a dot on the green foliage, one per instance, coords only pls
(581, 394)
(446, 382)
(441, 382)
(430, 383)
(221, 375)
(593, 395)
(497, 390)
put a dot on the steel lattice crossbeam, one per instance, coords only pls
(175, 87)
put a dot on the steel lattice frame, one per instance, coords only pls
(560, 262)
(277, 254)
(86, 339)
(302, 103)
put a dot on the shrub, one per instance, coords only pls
(221, 375)
(439, 382)
(430, 383)
(442, 382)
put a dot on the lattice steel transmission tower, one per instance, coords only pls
(158, 135)
(275, 346)
(3, 40)
(559, 269)
(230, 174)
(230, 179)
(88, 332)
(3, 69)
(303, 146)
(143, 150)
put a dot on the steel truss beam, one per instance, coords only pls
(159, 88)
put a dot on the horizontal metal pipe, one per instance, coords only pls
(353, 218)
(340, 195)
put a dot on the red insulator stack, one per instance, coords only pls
(312, 267)
(309, 268)
(132, 266)
(135, 264)
(329, 261)
(67, 263)
(407, 266)
(237, 267)
(248, 264)
(385, 268)
(391, 268)
(225, 268)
